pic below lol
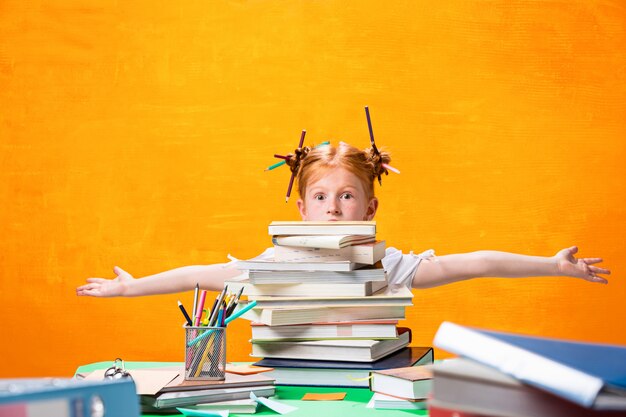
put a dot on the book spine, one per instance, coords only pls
(519, 363)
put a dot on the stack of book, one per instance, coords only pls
(324, 313)
(512, 375)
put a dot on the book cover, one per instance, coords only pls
(473, 387)
(322, 228)
(341, 350)
(330, 242)
(573, 370)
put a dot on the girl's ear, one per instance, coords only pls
(301, 208)
(372, 207)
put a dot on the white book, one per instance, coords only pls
(286, 316)
(322, 228)
(364, 329)
(185, 398)
(244, 406)
(368, 273)
(409, 383)
(332, 350)
(387, 402)
(272, 265)
(390, 295)
(367, 253)
(322, 241)
(304, 289)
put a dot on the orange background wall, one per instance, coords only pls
(136, 135)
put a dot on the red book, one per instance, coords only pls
(436, 410)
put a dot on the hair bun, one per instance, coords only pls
(294, 159)
(377, 159)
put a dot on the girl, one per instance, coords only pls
(337, 183)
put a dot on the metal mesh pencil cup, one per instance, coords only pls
(205, 353)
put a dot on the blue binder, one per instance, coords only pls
(65, 397)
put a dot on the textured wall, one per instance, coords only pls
(136, 135)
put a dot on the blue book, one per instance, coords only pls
(68, 397)
(590, 374)
(300, 372)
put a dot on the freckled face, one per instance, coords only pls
(337, 195)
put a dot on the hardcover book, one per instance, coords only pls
(475, 388)
(590, 374)
(409, 383)
(333, 350)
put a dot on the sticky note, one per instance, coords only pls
(329, 396)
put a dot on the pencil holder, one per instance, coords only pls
(205, 353)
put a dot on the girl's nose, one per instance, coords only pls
(333, 207)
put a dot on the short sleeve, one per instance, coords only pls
(268, 254)
(400, 268)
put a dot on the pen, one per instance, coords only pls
(182, 308)
(200, 307)
(234, 316)
(232, 307)
(218, 306)
(293, 174)
(195, 301)
(241, 312)
(220, 318)
(369, 126)
(280, 163)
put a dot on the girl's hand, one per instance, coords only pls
(100, 287)
(580, 268)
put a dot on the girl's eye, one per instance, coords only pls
(346, 196)
(319, 197)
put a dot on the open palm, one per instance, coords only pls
(583, 268)
(101, 287)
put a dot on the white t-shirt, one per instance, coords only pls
(400, 268)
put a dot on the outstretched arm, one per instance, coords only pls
(210, 277)
(452, 268)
